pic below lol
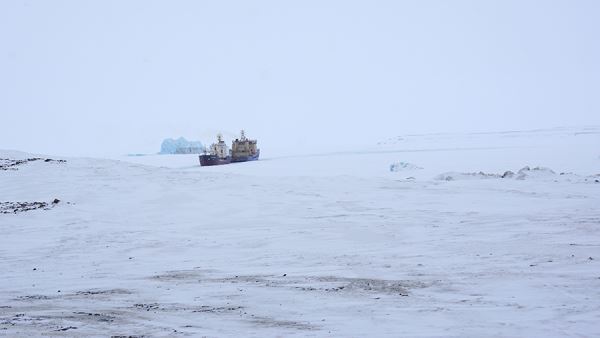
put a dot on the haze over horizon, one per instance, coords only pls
(112, 77)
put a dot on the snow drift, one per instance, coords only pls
(403, 166)
(525, 173)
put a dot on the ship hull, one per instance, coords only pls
(208, 160)
(246, 158)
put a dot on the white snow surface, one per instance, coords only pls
(314, 245)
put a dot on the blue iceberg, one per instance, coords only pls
(181, 146)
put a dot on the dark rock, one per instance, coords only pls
(8, 164)
(67, 328)
(15, 207)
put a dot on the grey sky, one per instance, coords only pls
(101, 77)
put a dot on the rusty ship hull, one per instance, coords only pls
(253, 157)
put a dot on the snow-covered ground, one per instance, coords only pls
(330, 244)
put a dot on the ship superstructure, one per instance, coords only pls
(219, 148)
(242, 150)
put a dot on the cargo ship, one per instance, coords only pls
(242, 150)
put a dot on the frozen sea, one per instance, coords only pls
(317, 244)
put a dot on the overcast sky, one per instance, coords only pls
(105, 77)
